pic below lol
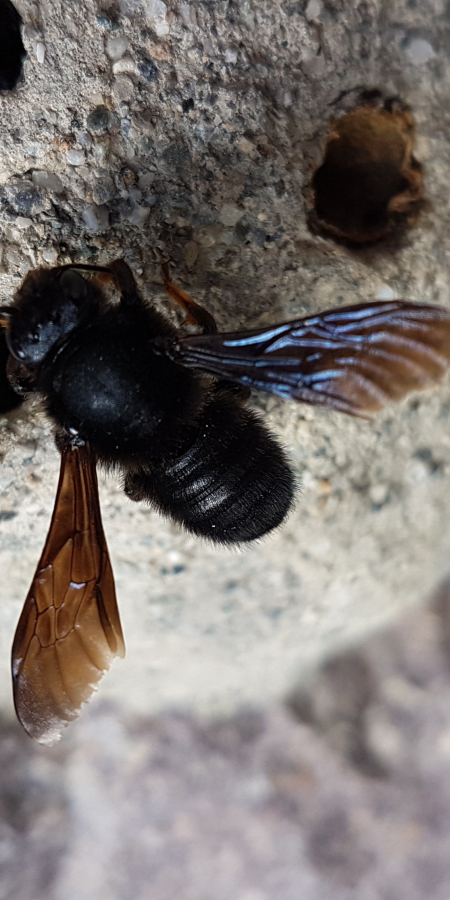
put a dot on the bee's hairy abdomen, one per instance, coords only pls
(234, 484)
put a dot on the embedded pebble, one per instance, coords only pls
(25, 266)
(246, 146)
(50, 255)
(123, 88)
(230, 215)
(145, 144)
(107, 23)
(129, 7)
(12, 235)
(14, 257)
(100, 119)
(96, 218)
(378, 493)
(313, 10)
(188, 14)
(84, 139)
(116, 46)
(231, 55)
(156, 14)
(31, 34)
(48, 181)
(97, 99)
(99, 153)
(227, 238)
(40, 52)
(148, 69)
(385, 292)
(103, 191)
(420, 51)
(417, 472)
(126, 64)
(139, 215)
(135, 194)
(25, 198)
(23, 222)
(75, 157)
(155, 9)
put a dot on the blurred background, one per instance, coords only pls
(343, 790)
(280, 727)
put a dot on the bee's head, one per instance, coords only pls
(49, 305)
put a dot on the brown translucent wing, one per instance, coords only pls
(354, 359)
(69, 631)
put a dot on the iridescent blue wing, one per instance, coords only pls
(354, 359)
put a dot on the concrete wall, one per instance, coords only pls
(219, 186)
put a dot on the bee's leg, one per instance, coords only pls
(16, 382)
(125, 282)
(196, 315)
(117, 271)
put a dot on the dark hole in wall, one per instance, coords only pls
(369, 183)
(12, 51)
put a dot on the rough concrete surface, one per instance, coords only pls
(189, 132)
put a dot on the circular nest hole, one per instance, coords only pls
(369, 184)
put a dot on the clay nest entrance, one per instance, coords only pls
(369, 184)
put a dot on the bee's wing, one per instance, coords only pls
(69, 631)
(354, 359)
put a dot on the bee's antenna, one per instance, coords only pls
(86, 267)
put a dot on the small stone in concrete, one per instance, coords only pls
(139, 215)
(50, 255)
(96, 218)
(420, 51)
(148, 69)
(125, 64)
(40, 52)
(123, 89)
(313, 10)
(230, 215)
(116, 46)
(103, 191)
(25, 198)
(100, 119)
(75, 157)
(231, 55)
(156, 14)
(48, 181)
(107, 23)
(23, 222)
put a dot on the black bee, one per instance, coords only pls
(126, 389)
(12, 51)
